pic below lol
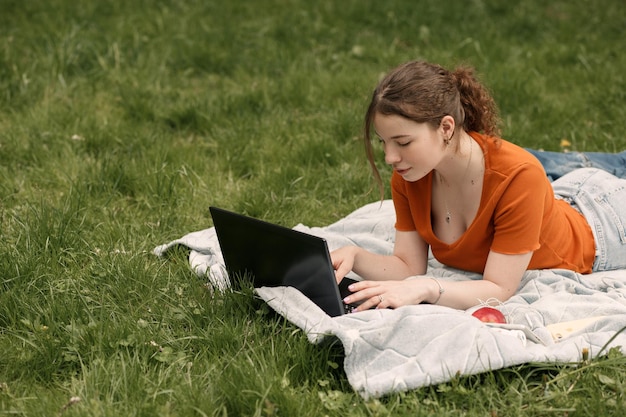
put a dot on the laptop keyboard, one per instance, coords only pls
(348, 308)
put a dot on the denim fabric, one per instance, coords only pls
(601, 198)
(558, 164)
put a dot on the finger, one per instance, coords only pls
(363, 285)
(358, 294)
(338, 276)
(341, 270)
(383, 301)
(372, 302)
(383, 304)
(367, 298)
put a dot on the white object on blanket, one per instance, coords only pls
(520, 331)
(413, 346)
(563, 330)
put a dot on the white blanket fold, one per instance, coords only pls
(395, 350)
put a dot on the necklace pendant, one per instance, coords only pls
(448, 217)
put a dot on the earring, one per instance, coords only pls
(447, 141)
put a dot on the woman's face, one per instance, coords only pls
(412, 149)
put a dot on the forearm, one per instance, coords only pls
(464, 294)
(500, 281)
(425, 289)
(376, 267)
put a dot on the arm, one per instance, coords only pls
(501, 279)
(410, 257)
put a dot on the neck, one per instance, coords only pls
(461, 164)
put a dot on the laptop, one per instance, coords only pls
(271, 255)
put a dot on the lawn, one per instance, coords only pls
(122, 121)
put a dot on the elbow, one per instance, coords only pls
(504, 293)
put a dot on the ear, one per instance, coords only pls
(447, 126)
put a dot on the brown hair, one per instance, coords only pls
(425, 93)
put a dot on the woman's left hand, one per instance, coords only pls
(390, 294)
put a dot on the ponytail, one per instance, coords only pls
(481, 112)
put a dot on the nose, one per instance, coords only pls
(391, 156)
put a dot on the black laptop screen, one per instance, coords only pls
(273, 255)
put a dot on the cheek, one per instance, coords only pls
(418, 155)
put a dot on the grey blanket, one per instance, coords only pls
(396, 350)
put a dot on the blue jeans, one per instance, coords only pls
(601, 198)
(558, 164)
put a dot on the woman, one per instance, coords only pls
(478, 202)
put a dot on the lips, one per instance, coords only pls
(402, 171)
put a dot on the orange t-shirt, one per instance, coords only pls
(518, 213)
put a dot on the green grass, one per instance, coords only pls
(122, 121)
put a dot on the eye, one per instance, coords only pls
(403, 144)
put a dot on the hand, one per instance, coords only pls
(343, 261)
(391, 294)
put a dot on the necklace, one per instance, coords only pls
(448, 217)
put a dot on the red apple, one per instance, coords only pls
(489, 315)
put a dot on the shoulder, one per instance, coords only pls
(504, 158)
(513, 176)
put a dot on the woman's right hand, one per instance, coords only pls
(343, 261)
